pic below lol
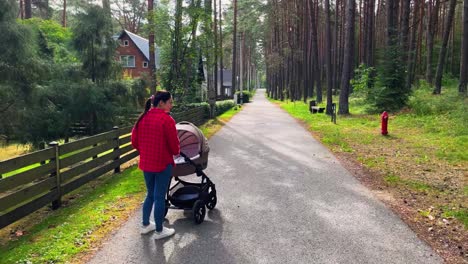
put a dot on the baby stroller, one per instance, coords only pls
(193, 159)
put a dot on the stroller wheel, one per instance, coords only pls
(199, 212)
(212, 200)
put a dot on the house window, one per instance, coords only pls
(128, 61)
(145, 64)
(125, 43)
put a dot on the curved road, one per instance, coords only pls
(282, 198)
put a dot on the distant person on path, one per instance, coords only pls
(155, 137)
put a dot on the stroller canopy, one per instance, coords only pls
(192, 140)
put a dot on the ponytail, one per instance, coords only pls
(147, 108)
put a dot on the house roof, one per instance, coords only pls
(143, 45)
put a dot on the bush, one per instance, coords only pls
(223, 106)
(246, 95)
(423, 102)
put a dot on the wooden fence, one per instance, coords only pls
(32, 181)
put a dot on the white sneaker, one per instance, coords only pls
(166, 232)
(146, 229)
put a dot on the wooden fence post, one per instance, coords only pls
(42, 146)
(116, 148)
(56, 203)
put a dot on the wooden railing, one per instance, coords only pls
(34, 180)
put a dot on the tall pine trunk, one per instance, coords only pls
(443, 49)
(64, 14)
(27, 9)
(464, 52)
(405, 28)
(234, 49)
(348, 58)
(215, 25)
(412, 52)
(431, 29)
(221, 66)
(316, 62)
(152, 62)
(328, 57)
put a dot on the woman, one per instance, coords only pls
(155, 137)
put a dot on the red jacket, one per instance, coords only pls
(155, 137)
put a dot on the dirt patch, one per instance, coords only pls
(419, 209)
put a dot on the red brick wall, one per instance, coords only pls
(132, 49)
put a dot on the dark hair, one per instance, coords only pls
(161, 95)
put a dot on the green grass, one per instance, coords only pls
(436, 122)
(411, 184)
(461, 215)
(68, 231)
(348, 129)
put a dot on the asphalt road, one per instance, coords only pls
(282, 198)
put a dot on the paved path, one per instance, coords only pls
(282, 198)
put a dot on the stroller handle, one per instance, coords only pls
(188, 160)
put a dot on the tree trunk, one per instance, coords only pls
(234, 48)
(443, 50)
(419, 68)
(328, 57)
(370, 35)
(392, 25)
(64, 14)
(431, 29)
(335, 48)
(21, 9)
(464, 52)
(215, 50)
(405, 28)
(348, 58)
(27, 9)
(152, 62)
(316, 65)
(221, 50)
(412, 45)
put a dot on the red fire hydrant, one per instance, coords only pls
(384, 123)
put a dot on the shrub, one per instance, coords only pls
(223, 106)
(246, 95)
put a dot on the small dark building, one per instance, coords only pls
(227, 83)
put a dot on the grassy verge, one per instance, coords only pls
(214, 125)
(88, 215)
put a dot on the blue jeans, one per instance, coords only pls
(156, 185)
